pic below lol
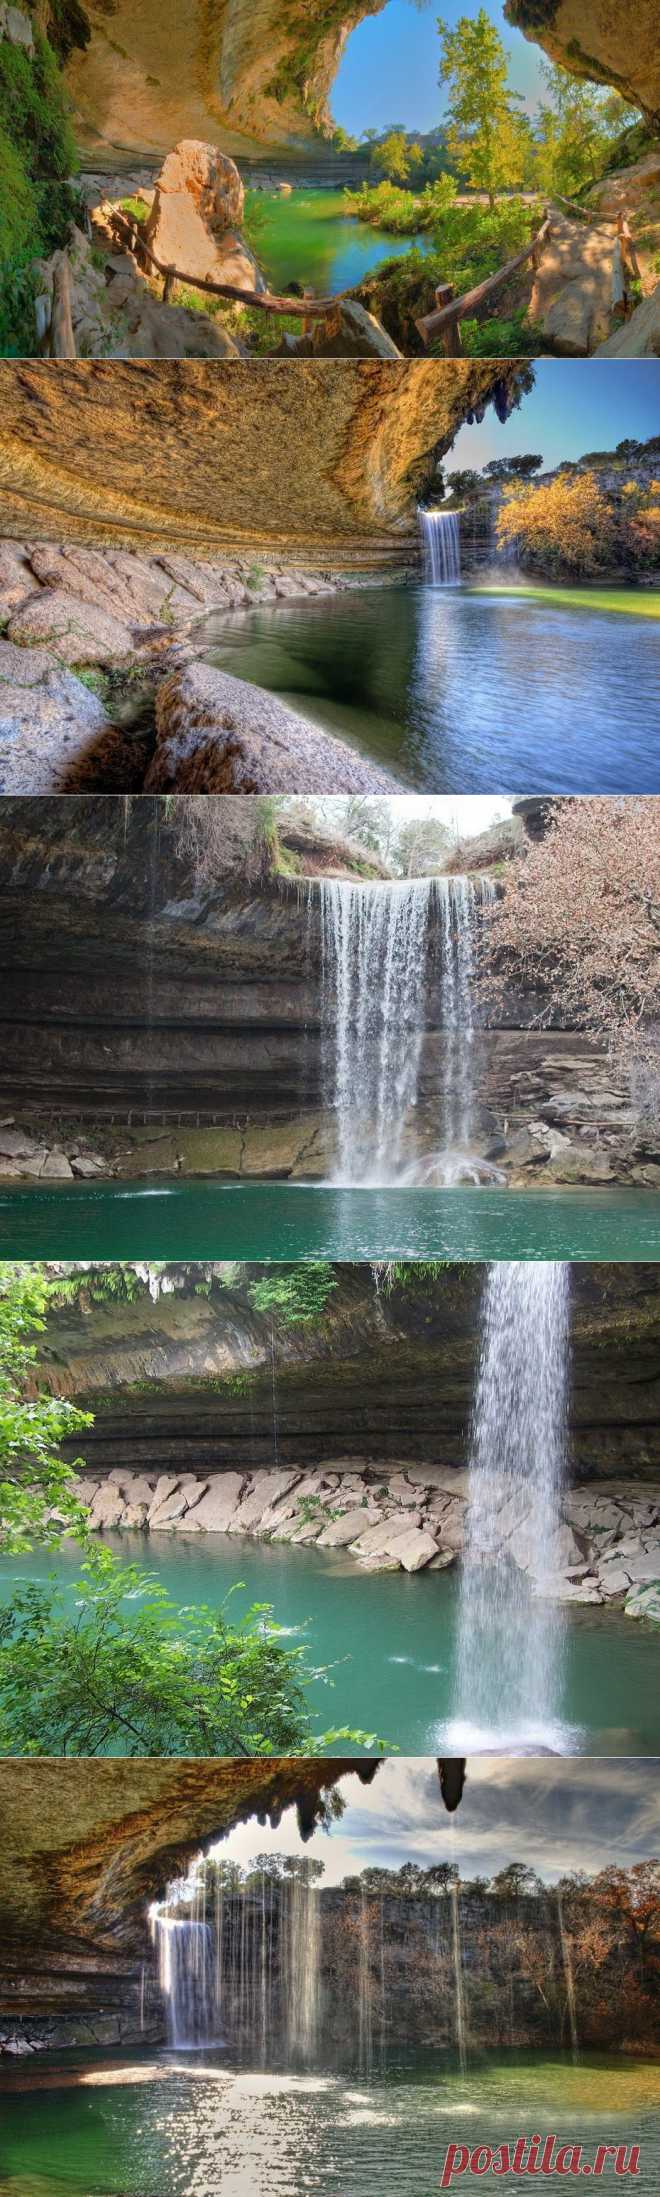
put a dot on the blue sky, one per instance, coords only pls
(575, 405)
(556, 1815)
(389, 70)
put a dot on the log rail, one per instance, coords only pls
(443, 323)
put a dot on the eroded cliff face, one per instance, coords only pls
(87, 1846)
(247, 73)
(257, 73)
(178, 1021)
(183, 1381)
(608, 41)
(247, 455)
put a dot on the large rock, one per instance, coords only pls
(217, 1507)
(79, 632)
(638, 337)
(53, 732)
(626, 188)
(197, 207)
(218, 734)
(607, 41)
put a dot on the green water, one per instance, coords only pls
(391, 1639)
(283, 1221)
(162, 2125)
(310, 239)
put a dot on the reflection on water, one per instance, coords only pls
(209, 2128)
(309, 238)
(391, 1641)
(282, 1221)
(462, 692)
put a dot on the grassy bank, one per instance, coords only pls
(637, 602)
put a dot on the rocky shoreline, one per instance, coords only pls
(101, 688)
(410, 1518)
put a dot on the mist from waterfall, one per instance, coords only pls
(441, 545)
(509, 1636)
(381, 963)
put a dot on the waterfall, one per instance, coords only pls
(302, 1968)
(377, 943)
(185, 1969)
(365, 2025)
(459, 1992)
(509, 1636)
(569, 1979)
(441, 543)
(460, 900)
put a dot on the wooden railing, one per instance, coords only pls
(297, 308)
(443, 324)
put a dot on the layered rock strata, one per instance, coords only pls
(164, 1022)
(606, 1547)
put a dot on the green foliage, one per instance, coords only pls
(33, 1477)
(488, 138)
(513, 338)
(37, 204)
(128, 1672)
(468, 243)
(297, 1294)
(100, 1284)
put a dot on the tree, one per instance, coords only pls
(517, 1881)
(422, 846)
(566, 527)
(573, 133)
(579, 921)
(500, 469)
(125, 1671)
(465, 485)
(487, 137)
(393, 156)
(37, 1489)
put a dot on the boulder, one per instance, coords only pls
(56, 1167)
(644, 1602)
(166, 1485)
(107, 1509)
(415, 1549)
(54, 734)
(218, 1505)
(259, 1498)
(353, 334)
(638, 337)
(79, 632)
(196, 210)
(341, 1531)
(219, 734)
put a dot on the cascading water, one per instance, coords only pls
(185, 1970)
(377, 942)
(365, 2019)
(459, 1989)
(441, 543)
(509, 1641)
(569, 1979)
(302, 1968)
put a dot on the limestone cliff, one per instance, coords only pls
(249, 73)
(183, 1380)
(177, 1019)
(87, 1846)
(247, 455)
(257, 73)
(608, 41)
